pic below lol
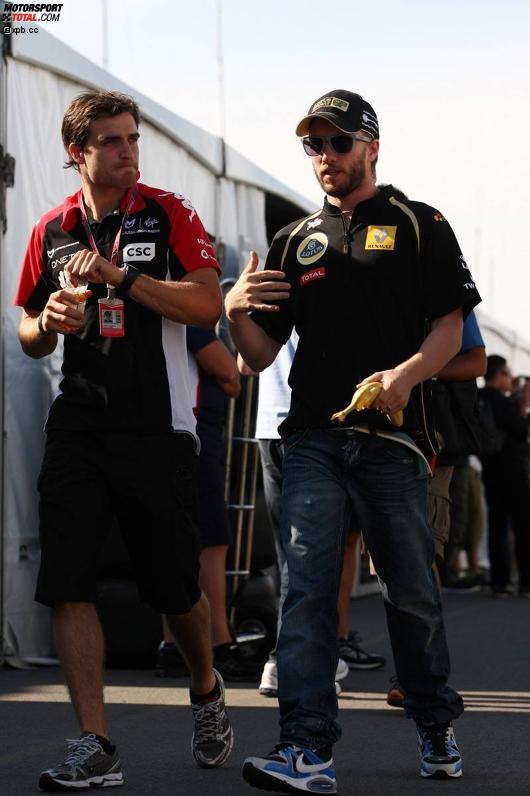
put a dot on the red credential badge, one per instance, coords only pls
(111, 317)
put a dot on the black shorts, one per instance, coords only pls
(213, 516)
(149, 484)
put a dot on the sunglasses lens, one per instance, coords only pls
(312, 144)
(342, 144)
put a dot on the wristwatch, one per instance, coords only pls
(130, 275)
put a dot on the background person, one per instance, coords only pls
(451, 471)
(214, 378)
(447, 496)
(505, 478)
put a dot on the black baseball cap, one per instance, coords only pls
(349, 112)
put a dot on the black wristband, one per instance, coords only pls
(130, 275)
(42, 330)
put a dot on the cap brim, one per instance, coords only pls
(304, 124)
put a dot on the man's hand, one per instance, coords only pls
(91, 267)
(395, 394)
(61, 314)
(254, 288)
(440, 345)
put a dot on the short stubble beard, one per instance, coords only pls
(355, 174)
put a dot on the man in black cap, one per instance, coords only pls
(377, 288)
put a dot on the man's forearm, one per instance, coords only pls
(468, 365)
(185, 302)
(34, 343)
(195, 299)
(440, 346)
(255, 346)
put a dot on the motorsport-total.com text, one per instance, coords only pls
(31, 12)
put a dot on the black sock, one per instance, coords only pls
(202, 699)
(225, 650)
(105, 744)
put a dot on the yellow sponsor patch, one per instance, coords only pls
(333, 102)
(381, 238)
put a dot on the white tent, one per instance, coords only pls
(499, 339)
(38, 78)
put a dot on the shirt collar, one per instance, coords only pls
(379, 197)
(72, 207)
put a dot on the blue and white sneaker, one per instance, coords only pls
(290, 769)
(439, 753)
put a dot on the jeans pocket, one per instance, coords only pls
(396, 452)
(294, 438)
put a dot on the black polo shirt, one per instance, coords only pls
(209, 400)
(362, 298)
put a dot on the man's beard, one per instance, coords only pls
(353, 178)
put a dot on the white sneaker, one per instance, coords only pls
(269, 678)
(343, 670)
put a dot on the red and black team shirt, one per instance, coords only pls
(138, 382)
(362, 297)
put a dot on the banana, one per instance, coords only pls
(363, 398)
(396, 418)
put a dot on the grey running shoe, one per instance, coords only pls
(86, 765)
(213, 737)
(355, 656)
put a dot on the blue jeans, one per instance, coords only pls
(328, 475)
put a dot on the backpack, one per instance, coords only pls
(464, 419)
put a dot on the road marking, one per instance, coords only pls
(476, 701)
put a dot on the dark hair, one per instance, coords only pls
(86, 108)
(496, 363)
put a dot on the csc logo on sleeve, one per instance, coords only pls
(134, 252)
(381, 238)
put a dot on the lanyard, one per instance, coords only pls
(116, 244)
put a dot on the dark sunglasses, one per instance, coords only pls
(340, 144)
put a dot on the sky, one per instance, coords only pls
(450, 83)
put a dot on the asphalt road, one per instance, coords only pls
(377, 756)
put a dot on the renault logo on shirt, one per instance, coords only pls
(139, 251)
(381, 238)
(312, 248)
